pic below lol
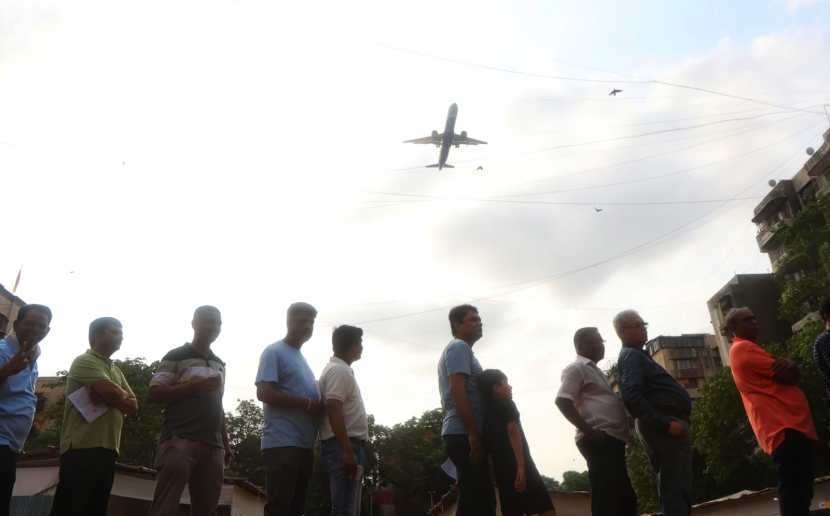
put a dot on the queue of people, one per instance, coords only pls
(481, 429)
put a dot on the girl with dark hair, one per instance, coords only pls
(521, 489)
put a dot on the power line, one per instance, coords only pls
(506, 199)
(519, 286)
(669, 152)
(590, 80)
(617, 138)
(563, 203)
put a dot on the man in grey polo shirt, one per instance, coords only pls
(193, 447)
(585, 398)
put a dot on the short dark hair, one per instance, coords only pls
(344, 337)
(488, 379)
(205, 308)
(458, 313)
(25, 309)
(583, 333)
(100, 325)
(301, 307)
(824, 309)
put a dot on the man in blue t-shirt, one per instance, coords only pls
(291, 400)
(458, 369)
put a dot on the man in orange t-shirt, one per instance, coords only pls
(777, 409)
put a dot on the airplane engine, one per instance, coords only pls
(435, 134)
(463, 134)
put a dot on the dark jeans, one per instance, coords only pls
(611, 491)
(671, 458)
(8, 474)
(288, 473)
(345, 494)
(794, 458)
(84, 482)
(475, 489)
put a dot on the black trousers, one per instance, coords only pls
(476, 496)
(794, 458)
(611, 491)
(288, 473)
(84, 482)
(8, 474)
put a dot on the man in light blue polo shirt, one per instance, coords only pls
(291, 400)
(18, 376)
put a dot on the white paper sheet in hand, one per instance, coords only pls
(82, 401)
(191, 373)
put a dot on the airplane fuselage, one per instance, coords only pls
(449, 132)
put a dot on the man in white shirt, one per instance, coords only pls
(586, 399)
(345, 430)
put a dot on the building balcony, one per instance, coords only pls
(767, 233)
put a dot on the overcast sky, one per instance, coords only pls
(156, 156)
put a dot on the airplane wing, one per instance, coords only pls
(463, 139)
(434, 139)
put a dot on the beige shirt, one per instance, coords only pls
(337, 382)
(588, 388)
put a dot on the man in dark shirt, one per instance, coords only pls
(193, 447)
(821, 349)
(661, 407)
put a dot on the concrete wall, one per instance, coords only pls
(761, 294)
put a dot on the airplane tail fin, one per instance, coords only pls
(438, 165)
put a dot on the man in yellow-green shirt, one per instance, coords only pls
(90, 441)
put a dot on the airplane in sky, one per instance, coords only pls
(447, 139)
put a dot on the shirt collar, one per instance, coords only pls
(99, 355)
(337, 360)
(585, 360)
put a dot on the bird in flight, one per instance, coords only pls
(614, 92)
(597, 210)
(480, 168)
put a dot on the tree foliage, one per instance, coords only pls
(804, 273)
(575, 481)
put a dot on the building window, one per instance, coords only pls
(691, 383)
(682, 364)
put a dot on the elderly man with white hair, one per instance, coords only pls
(661, 407)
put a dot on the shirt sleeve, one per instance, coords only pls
(632, 386)
(338, 384)
(750, 359)
(268, 367)
(459, 359)
(86, 371)
(167, 373)
(572, 382)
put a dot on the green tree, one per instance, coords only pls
(575, 481)
(244, 431)
(642, 476)
(804, 272)
(139, 437)
(410, 455)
